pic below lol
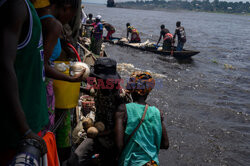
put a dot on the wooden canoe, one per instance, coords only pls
(177, 54)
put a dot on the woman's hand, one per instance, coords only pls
(78, 77)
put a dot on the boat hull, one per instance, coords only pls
(177, 54)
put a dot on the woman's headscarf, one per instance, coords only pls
(141, 83)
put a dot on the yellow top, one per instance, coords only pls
(41, 3)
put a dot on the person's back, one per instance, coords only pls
(98, 30)
(180, 31)
(107, 99)
(164, 32)
(135, 37)
(139, 128)
(145, 144)
(167, 40)
(109, 27)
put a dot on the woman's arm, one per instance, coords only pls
(159, 39)
(164, 138)
(51, 32)
(119, 128)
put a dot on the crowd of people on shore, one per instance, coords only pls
(33, 35)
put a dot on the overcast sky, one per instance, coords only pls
(105, 1)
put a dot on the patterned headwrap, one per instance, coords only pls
(141, 83)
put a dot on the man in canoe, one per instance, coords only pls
(167, 38)
(110, 28)
(180, 32)
(135, 38)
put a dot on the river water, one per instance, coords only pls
(207, 100)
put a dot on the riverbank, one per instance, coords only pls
(181, 10)
(214, 7)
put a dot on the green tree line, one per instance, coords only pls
(204, 5)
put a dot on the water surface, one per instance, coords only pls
(206, 101)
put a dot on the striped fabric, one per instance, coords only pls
(28, 37)
(24, 159)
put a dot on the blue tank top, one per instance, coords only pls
(57, 50)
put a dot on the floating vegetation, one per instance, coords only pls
(128, 69)
(227, 66)
(214, 61)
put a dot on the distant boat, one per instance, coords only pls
(110, 3)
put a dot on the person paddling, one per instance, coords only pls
(135, 37)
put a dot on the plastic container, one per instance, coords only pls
(66, 93)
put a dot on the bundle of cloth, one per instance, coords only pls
(144, 44)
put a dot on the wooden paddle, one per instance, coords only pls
(172, 49)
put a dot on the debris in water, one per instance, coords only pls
(127, 68)
(227, 66)
(214, 61)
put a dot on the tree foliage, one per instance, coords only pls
(204, 5)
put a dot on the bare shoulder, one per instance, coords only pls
(52, 26)
(13, 11)
(120, 113)
(121, 108)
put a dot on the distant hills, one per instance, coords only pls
(205, 5)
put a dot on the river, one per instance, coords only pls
(207, 100)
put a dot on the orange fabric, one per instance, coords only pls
(168, 36)
(52, 156)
